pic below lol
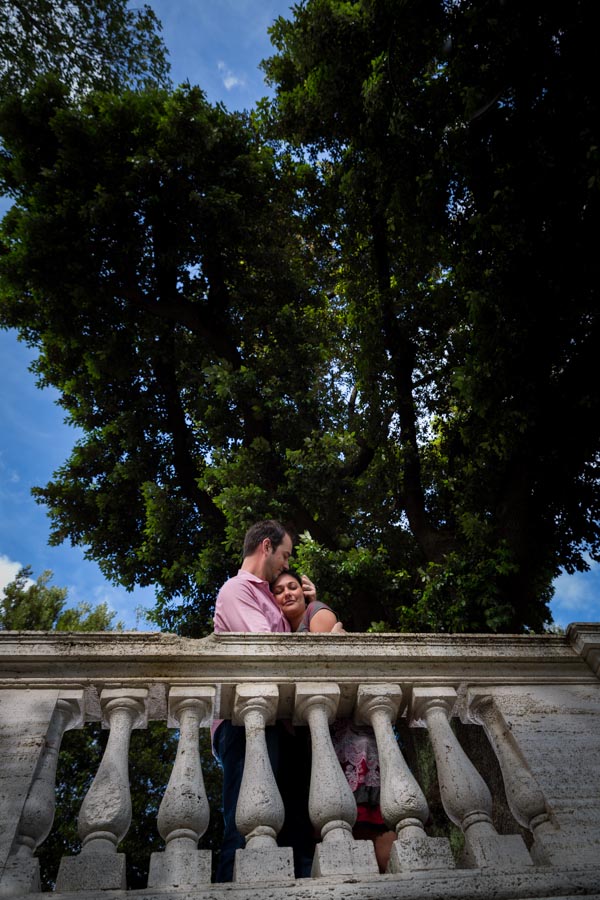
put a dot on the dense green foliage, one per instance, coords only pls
(369, 309)
(27, 605)
(89, 43)
(174, 306)
(461, 145)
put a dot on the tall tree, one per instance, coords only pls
(87, 43)
(346, 336)
(461, 160)
(153, 255)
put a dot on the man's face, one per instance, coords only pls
(277, 559)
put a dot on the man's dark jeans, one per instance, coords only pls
(290, 760)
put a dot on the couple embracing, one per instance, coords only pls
(266, 596)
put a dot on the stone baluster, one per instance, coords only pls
(259, 813)
(525, 798)
(21, 874)
(403, 804)
(331, 802)
(184, 812)
(105, 813)
(465, 795)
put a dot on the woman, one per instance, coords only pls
(355, 746)
(297, 598)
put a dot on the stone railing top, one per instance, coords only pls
(101, 660)
(135, 647)
(31, 647)
(584, 637)
(164, 643)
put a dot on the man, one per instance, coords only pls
(245, 603)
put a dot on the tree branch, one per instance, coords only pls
(402, 355)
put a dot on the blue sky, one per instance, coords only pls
(218, 45)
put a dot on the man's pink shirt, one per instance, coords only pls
(245, 603)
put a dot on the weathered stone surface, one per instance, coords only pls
(546, 690)
(536, 884)
(91, 872)
(344, 858)
(184, 811)
(180, 870)
(331, 803)
(110, 659)
(24, 719)
(269, 864)
(20, 876)
(506, 852)
(259, 813)
(557, 730)
(416, 852)
(584, 637)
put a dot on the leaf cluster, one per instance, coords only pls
(90, 45)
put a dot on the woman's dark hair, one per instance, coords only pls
(291, 574)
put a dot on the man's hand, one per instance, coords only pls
(338, 628)
(310, 591)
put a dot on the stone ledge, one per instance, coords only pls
(157, 662)
(584, 637)
(140, 643)
(535, 884)
(34, 657)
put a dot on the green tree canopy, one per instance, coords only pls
(27, 605)
(461, 146)
(88, 43)
(168, 289)
(369, 309)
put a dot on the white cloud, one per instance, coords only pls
(8, 475)
(8, 571)
(229, 78)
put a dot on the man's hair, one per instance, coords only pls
(257, 533)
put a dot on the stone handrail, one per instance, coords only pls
(536, 698)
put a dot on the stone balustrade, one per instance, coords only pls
(534, 702)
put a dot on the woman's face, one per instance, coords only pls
(289, 595)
